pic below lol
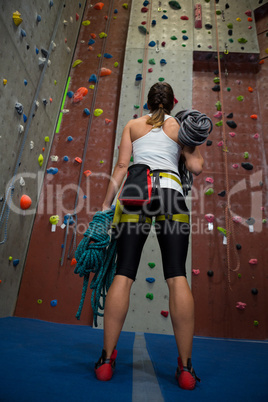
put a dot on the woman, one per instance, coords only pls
(153, 140)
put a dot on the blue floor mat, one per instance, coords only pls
(47, 362)
(230, 370)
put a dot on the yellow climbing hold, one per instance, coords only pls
(17, 18)
(4, 81)
(77, 62)
(54, 219)
(103, 35)
(40, 160)
(46, 139)
(91, 86)
(98, 112)
(125, 5)
(116, 64)
(238, 19)
(266, 50)
(99, 55)
(86, 23)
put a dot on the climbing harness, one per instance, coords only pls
(96, 253)
(228, 218)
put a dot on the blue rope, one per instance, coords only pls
(96, 253)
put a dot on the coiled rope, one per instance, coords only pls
(195, 127)
(96, 253)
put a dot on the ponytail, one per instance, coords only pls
(158, 117)
(160, 102)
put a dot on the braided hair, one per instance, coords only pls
(160, 101)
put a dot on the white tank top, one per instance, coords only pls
(157, 150)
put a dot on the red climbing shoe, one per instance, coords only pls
(104, 368)
(186, 376)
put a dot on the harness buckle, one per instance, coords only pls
(142, 218)
(168, 217)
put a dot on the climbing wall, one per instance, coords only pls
(37, 44)
(79, 167)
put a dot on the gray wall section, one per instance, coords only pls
(18, 64)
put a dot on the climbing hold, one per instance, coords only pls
(237, 219)
(248, 13)
(255, 323)
(98, 112)
(235, 166)
(254, 117)
(242, 40)
(173, 37)
(174, 5)
(230, 116)
(99, 6)
(164, 313)
(44, 101)
(163, 44)
(250, 19)
(221, 230)
(17, 18)
(93, 78)
(209, 143)
(150, 280)
(164, 17)
(25, 202)
(142, 29)
(79, 94)
(184, 18)
(108, 121)
(238, 19)
(230, 26)
(185, 37)
(216, 80)
(78, 160)
(15, 262)
(151, 264)
(238, 246)
(51, 3)
(65, 158)
(209, 191)
(77, 62)
(115, 11)
(23, 33)
(218, 105)
(54, 219)
(150, 296)
(256, 136)
(216, 88)
(218, 115)
(145, 106)
(38, 18)
(107, 56)
(222, 193)
(102, 35)
(40, 160)
(246, 155)
(85, 23)
(125, 6)
(91, 42)
(86, 111)
(209, 180)
(52, 170)
(231, 124)
(87, 173)
(196, 271)
(105, 71)
(219, 123)
(218, 12)
(10, 258)
(241, 305)
(253, 261)
(54, 303)
(250, 89)
(240, 98)
(70, 94)
(140, 61)
(144, 9)
(152, 61)
(19, 108)
(152, 43)
(230, 33)
(254, 291)
(4, 81)
(208, 26)
(210, 273)
(39, 301)
(153, 23)
(161, 79)
(247, 166)
(116, 64)
(46, 139)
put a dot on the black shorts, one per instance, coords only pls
(173, 237)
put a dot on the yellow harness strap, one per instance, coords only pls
(175, 217)
(134, 218)
(169, 176)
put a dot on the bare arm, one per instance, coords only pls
(193, 159)
(120, 168)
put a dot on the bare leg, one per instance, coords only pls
(181, 305)
(116, 308)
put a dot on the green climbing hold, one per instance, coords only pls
(246, 155)
(131, 159)
(256, 323)
(99, 55)
(116, 64)
(218, 105)
(231, 40)
(209, 191)
(228, 89)
(183, 31)
(239, 275)
(140, 60)
(217, 80)
(240, 98)
(183, 45)
(174, 5)
(143, 30)
(173, 37)
(150, 296)
(221, 230)
(264, 221)
(219, 123)
(218, 12)
(151, 264)
(161, 79)
(230, 25)
(207, 1)
(98, 112)
(152, 61)
(136, 106)
(242, 40)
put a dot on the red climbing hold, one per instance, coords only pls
(90, 48)
(105, 71)
(175, 100)
(144, 9)
(76, 17)
(164, 313)
(93, 36)
(25, 202)
(248, 13)
(163, 44)
(256, 136)
(73, 262)
(241, 305)
(254, 116)
(253, 261)
(184, 18)
(232, 134)
(99, 6)
(250, 89)
(79, 94)
(150, 70)
(107, 121)
(196, 271)
(143, 23)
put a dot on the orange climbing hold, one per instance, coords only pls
(78, 160)
(99, 6)
(250, 89)
(73, 262)
(107, 121)
(25, 202)
(261, 62)
(105, 71)
(250, 19)
(93, 36)
(87, 173)
(254, 116)
(79, 94)
(90, 48)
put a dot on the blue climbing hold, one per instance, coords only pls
(36, 50)
(65, 158)
(153, 23)
(25, 82)
(69, 218)
(107, 56)
(38, 18)
(15, 262)
(150, 280)
(164, 17)
(51, 3)
(91, 42)
(115, 11)
(23, 33)
(86, 111)
(24, 118)
(138, 77)
(145, 107)
(70, 138)
(84, 196)
(152, 43)
(145, 3)
(70, 94)
(163, 62)
(52, 170)
(54, 303)
(93, 78)
(185, 37)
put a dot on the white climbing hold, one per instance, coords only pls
(53, 45)
(37, 104)
(21, 128)
(64, 111)
(22, 182)
(68, 49)
(31, 144)
(54, 158)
